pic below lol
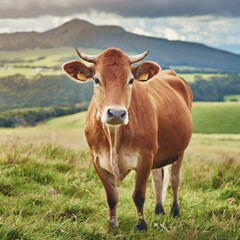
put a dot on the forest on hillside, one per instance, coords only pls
(26, 101)
(215, 88)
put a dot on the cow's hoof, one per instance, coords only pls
(141, 226)
(175, 212)
(159, 209)
(113, 222)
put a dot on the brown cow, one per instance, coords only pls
(139, 119)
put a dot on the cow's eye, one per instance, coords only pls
(96, 80)
(131, 81)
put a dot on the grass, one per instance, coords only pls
(232, 98)
(43, 61)
(29, 72)
(38, 61)
(49, 189)
(222, 117)
(191, 77)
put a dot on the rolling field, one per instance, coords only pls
(190, 77)
(38, 61)
(219, 117)
(232, 98)
(49, 61)
(49, 189)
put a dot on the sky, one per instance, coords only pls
(215, 23)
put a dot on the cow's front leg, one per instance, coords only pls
(142, 174)
(110, 186)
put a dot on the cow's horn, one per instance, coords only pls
(139, 57)
(87, 58)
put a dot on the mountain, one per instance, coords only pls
(82, 34)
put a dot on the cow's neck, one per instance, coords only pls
(112, 134)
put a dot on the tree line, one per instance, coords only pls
(28, 101)
(32, 116)
(215, 88)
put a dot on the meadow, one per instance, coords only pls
(216, 117)
(31, 63)
(49, 189)
(48, 186)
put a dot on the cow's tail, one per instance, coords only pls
(165, 179)
(160, 179)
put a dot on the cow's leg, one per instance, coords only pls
(175, 181)
(160, 179)
(139, 192)
(110, 186)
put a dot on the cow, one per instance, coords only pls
(139, 119)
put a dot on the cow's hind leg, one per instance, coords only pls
(160, 179)
(175, 182)
(110, 186)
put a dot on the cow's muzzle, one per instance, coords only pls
(115, 115)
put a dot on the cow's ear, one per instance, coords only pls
(78, 71)
(145, 71)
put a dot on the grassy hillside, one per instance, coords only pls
(37, 61)
(191, 77)
(216, 117)
(232, 98)
(49, 190)
(49, 61)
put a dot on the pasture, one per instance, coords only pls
(232, 98)
(216, 117)
(38, 61)
(49, 189)
(49, 61)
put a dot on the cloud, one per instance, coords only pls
(125, 8)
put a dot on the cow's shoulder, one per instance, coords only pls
(171, 85)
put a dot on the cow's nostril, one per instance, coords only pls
(123, 113)
(110, 113)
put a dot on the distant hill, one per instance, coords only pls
(82, 34)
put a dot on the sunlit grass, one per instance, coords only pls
(32, 62)
(49, 189)
(232, 98)
(191, 77)
(28, 72)
(218, 117)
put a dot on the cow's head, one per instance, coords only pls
(113, 76)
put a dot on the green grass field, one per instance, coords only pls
(49, 189)
(214, 118)
(232, 98)
(222, 117)
(43, 61)
(38, 61)
(190, 77)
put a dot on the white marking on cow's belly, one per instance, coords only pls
(117, 162)
(104, 161)
(125, 163)
(128, 161)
